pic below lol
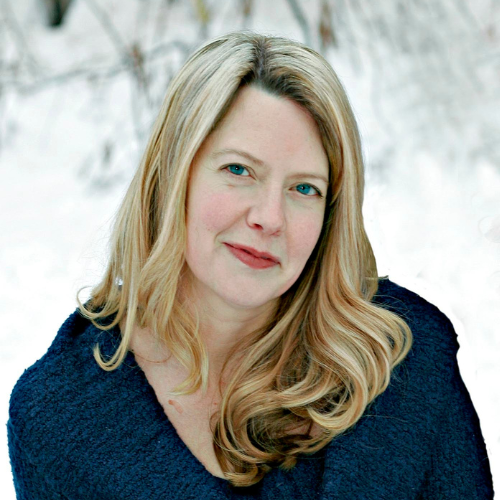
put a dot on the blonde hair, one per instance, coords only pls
(328, 351)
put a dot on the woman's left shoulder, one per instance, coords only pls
(423, 429)
(435, 343)
(409, 305)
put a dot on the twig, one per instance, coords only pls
(467, 14)
(351, 36)
(16, 30)
(465, 71)
(301, 19)
(86, 70)
(121, 47)
(325, 28)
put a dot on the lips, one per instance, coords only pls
(252, 257)
(255, 253)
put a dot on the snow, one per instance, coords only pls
(72, 130)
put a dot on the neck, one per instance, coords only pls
(221, 328)
(222, 325)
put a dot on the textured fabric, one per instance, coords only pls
(78, 432)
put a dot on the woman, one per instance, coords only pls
(240, 343)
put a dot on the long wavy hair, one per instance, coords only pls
(328, 350)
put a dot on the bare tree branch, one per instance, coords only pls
(88, 70)
(101, 15)
(23, 46)
(301, 19)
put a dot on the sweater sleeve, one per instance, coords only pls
(32, 428)
(458, 462)
(29, 482)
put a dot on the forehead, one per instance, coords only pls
(273, 129)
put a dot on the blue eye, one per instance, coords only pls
(237, 170)
(308, 190)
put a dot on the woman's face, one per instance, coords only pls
(256, 201)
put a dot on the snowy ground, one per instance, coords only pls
(68, 149)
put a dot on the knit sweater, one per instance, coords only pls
(78, 432)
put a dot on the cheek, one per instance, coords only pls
(211, 213)
(303, 238)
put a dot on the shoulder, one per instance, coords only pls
(435, 342)
(67, 415)
(429, 377)
(428, 394)
(83, 431)
(42, 376)
(410, 306)
(53, 394)
(39, 377)
(423, 428)
(59, 367)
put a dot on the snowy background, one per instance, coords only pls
(77, 102)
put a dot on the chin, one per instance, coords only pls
(253, 303)
(248, 300)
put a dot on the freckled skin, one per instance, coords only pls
(176, 405)
(263, 209)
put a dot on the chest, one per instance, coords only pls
(190, 415)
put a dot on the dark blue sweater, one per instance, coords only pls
(78, 432)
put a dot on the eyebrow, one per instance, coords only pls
(255, 160)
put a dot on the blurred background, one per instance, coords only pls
(81, 82)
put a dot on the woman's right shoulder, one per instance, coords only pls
(66, 345)
(60, 408)
(54, 379)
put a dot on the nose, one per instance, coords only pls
(267, 212)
